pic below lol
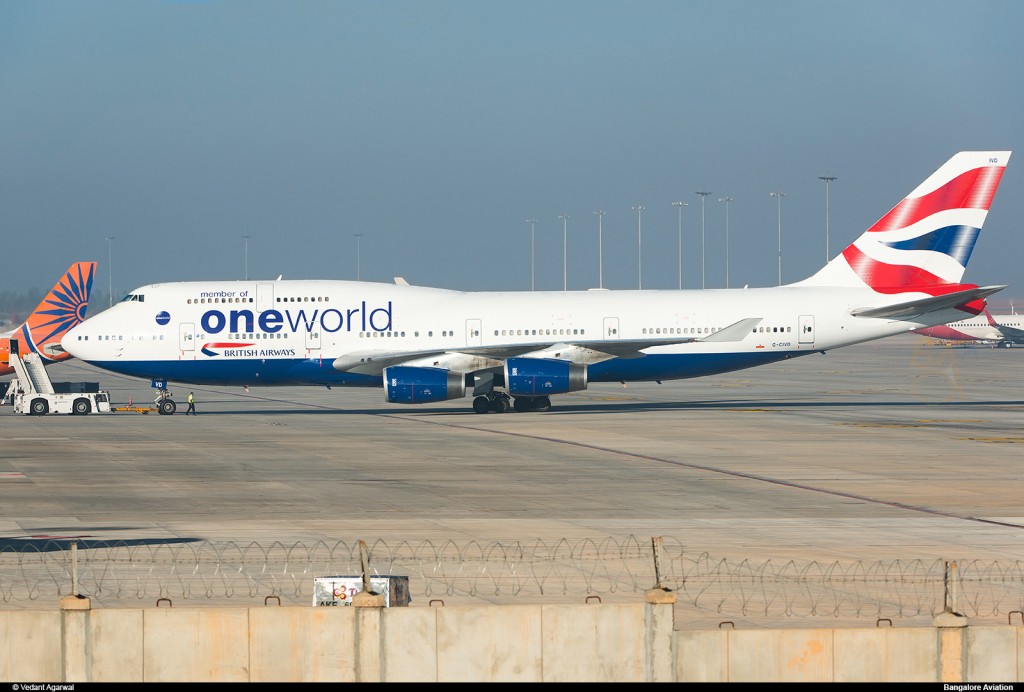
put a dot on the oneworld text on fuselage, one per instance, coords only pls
(330, 320)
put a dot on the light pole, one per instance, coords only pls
(726, 200)
(828, 179)
(246, 239)
(533, 244)
(639, 249)
(703, 194)
(110, 274)
(778, 198)
(565, 251)
(357, 236)
(680, 205)
(600, 248)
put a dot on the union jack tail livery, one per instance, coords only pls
(63, 308)
(923, 244)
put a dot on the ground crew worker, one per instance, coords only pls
(191, 404)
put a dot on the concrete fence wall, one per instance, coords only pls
(530, 643)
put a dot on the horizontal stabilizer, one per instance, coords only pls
(916, 308)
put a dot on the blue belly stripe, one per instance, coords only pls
(303, 371)
(276, 371)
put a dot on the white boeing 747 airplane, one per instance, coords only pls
(426, 345)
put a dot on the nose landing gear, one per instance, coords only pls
(165, 405)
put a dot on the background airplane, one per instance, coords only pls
(1007, 330)
(517, 349)
(63, 307)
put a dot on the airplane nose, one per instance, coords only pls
(69, 341)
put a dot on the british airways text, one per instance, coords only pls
(332, 320)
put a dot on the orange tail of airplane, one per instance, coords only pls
(63, 307)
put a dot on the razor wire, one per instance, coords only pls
(140, 573)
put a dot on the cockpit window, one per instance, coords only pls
(134, 297)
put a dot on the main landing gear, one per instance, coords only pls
(500, 402)
(165, 405)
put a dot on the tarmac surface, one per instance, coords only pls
(899, 449)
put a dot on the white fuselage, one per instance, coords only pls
(291, 332)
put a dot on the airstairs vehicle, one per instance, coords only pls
(31, 392)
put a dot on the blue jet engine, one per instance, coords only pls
(543, 376)
(405, 384)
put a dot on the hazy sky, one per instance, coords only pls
(436, 128)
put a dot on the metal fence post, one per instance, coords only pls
(74, 568)
(658, 543)
(950, 587)
(364, 563)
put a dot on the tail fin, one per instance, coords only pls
(923, 244)
(62, 308)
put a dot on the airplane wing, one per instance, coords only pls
(373, 362)
(916, 308)
(1011, 334)
(632, 348)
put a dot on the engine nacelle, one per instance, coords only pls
(543, 376)
(404, 384)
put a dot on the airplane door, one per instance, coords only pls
(474, 333)
(806, 329)
(264, 297)
(611, 328)
(187, 336)
(313, 338)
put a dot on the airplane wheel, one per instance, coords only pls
(167, 407)
(500, 404)
(523, 404)
(542, 403)
(39, 407)
(481, 404)
(81, 407)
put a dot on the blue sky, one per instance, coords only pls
(437, 128)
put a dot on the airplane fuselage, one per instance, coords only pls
(291, 332)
